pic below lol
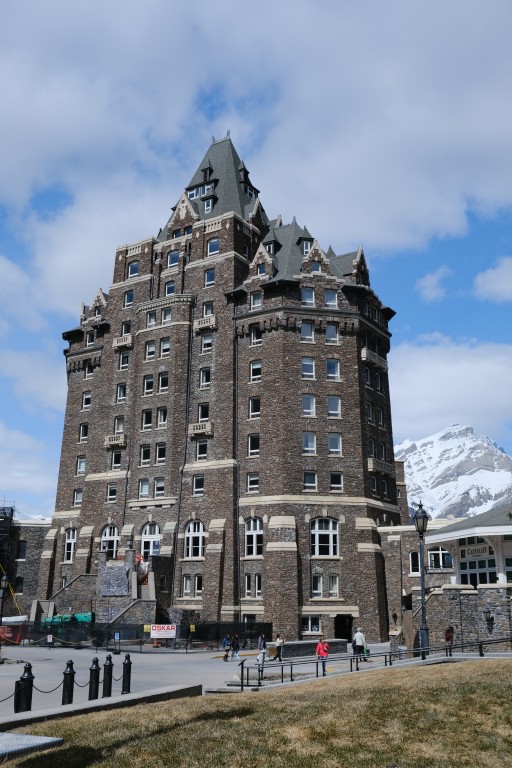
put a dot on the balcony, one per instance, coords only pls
(376, 465)
(117, 441)
(205, 323)
(123, 341)
(200, 429)
(367, 356)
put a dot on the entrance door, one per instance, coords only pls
(343, 626)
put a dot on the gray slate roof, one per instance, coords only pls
(497, 516)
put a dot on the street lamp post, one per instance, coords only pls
(420, 523)
(3, 586)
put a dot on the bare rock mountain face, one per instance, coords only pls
(456, 473)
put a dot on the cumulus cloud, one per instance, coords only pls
(38, 376)
(429, 286)
(438, 381)
(495, 284)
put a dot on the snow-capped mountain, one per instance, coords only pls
(456, 473)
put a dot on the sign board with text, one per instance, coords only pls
(163, 630)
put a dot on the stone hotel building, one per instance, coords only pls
(227, 450)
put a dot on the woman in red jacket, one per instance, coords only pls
(322, 652)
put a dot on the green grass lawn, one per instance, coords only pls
(448, 715)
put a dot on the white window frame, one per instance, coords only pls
(111, 493)
(256, 300)
(121, 392)
(198, 485)
(253, 537)
(144, 488)
(331, 333)
(213, 247)
(331, 298)
(159, 487)
(307, 332)
(147, 420)
(80, 465)
(256, 335)
(194, 545)
(335, 444)
(206, 343)
(254, 407)
(69, 545)
(309, 481)
(307, 368)
(336, 485)
(162, 418)
(205, 378)
(165, 346)
(209, 277)
(317, 585)
(309, 443)
(253, 482)
(207, 310)
(160, 453)
(128, 299)
(148, 385)
(163, 381)
(86, 400)
(166, 317)
(170, 288)
(253, 444)
(124, 359)
(307, 296)
(308, 411)
(333, 369)
(133, 269)
(201, 450)
(145, 455)
(255, 371)
(151, 319)
(333, 407)
(324, 537)
(83, 433)
(78, 497)
(116, 459)
(334, 585)
(150, 350)
(173, 258)
(150, 540)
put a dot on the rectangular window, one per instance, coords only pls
(308, 296)
(253, 445)
(256, 336)
(160, 453)
(78, 495)
(255, 370)
(83, 433)
(151, 319)
(311, 624)
(201, 450)
(380, 417)
(332, 369)
(254, 407)
(150, 350)
(309, 443)
(159, 487)
(166, 316)
(198, 485)
(208, 205)
(330, 298)
(207, 308)
(187, 585)
(161, 418)
(165, 346)
(209, 277)
(261, 269)
(308, 368)
(204, 378)
(148, 385)
(333, 585)
(163, 381)
(133, 269)
(80, 465)
(124, 359)
(206, 342)
(86, 400)
(116, 459)
(331, 333)
(253, 482)
(334, 444)
(147, 420)
(316, 585)
(256, 300)
(336, 483)
(89, 338)
(213, 247)
(170, 288)
(145, 455)
(306, 247)
(309, 482)
(257, 584)
(119, 425)
(203, 412)
(198, 584)
(369, 412)
(307, 333)
(173, 258)
(128, 298)
(308, 405)
(144, 488)
(88, 369)
(126, 327)
(247, 585)
(334, 407)
(111, 493)
(385, 489)
(121, 393)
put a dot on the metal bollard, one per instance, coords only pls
(69, 684)
(107, 676)
(127, 673)
(23, 691)
(94, 679)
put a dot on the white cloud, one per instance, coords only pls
(438, 381)
(495, 284)
(38, 376)
(429, 286)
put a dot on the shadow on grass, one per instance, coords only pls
(243, 712)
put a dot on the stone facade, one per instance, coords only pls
(228, 417)
(22, 545)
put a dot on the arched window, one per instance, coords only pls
(324, 537)
(253, 537)
(110, 541)
(150, 540)
(414, 562)
(194, 539)
(70, 545)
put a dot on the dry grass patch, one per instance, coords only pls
(424, 717)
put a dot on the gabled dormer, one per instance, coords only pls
(315, 260)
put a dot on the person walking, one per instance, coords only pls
(448, 638)
(235, 648)
(322, 652)
(279, 647)
(262, 648)
(360, 644)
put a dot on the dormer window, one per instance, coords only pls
(193, 193)
(249, 191)
(176, 233)
(206, 189)
(270, 248)
(316, 266)
(208, 205)
(97, 311)
(306, 247)
(261, 269)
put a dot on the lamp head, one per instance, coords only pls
(420, 519)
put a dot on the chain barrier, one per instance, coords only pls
(82, 686)
(52, 690)
(6, 698)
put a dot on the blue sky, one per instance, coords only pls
(387, 125)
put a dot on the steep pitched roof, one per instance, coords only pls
(232, 189)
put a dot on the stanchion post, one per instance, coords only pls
(94, 679)
(23, 692)
(107, 676)
(68, 684)
(127, 673)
